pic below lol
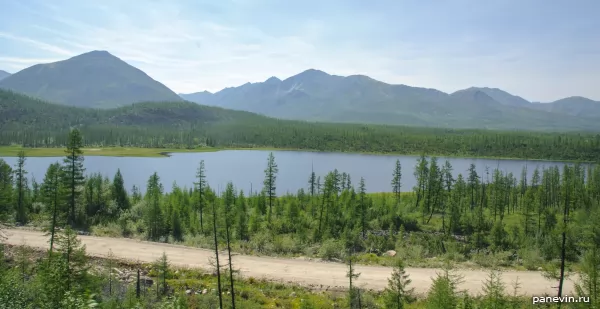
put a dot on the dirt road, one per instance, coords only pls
(310, 273)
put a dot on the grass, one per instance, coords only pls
(13, 151)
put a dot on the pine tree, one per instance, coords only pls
(568, 189)
(494, 292)
(21, 187)
(362, 204)
(154, 215)
(442, 294)
(52, 193)
(242, 220)
(421, 175)
(270, 183)
(118, 192)
(353, 293)
(200, 189)
(397, 292)
(229, 201)
(161, 266)
(73, 171)
(397, 181)
(110, 257)
(6, 190)
(72, 252)
(216, 244)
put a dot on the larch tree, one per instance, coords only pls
(229, 200)
(21, 188)
(397, 293)
(73, 172)
(270, 183)
(6, 190)
(216, 247)
(51, 192)
(397, 181)
(351, 274)
(200, 187)
(118, 192)
(154, 214)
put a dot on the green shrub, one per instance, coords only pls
(331, 249)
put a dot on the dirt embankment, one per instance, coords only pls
(320, 275)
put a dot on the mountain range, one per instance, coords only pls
(100, 80)
(318, 96)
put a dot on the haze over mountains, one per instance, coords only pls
(100, 80)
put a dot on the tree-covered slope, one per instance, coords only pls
(21, 111)
(95, 79)
(34, 123)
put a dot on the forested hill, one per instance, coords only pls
(19, 111)
(95, 79)
(34, 123)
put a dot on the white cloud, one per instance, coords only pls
(41, 45)
(192, 52)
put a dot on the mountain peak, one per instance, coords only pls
(273, 79)
(313, 72)
(98, 53)
(501, 96)
(94, 79)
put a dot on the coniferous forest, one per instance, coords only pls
(33, 123)
(548, 222)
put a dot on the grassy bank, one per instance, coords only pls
(12, 151)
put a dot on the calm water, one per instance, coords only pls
(246, 167)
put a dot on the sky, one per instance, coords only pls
(538, 49)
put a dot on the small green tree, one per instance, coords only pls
(493, 292)
(161, 267)
(397, 292)
(442, 294)
(72, 251)
(353, 292)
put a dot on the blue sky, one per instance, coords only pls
(539, 49)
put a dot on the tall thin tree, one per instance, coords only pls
(397, 181)
(270, 183)
(21, 187)
(73, 171)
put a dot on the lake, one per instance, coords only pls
(246, 167)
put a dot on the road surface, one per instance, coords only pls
(314, 274)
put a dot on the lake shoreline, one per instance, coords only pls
(12, 151)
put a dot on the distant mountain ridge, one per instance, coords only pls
(317, 96)
(96, 79)
(100, 80)
(4, 74)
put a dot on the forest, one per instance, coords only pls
(33, 123)
(496, 220)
